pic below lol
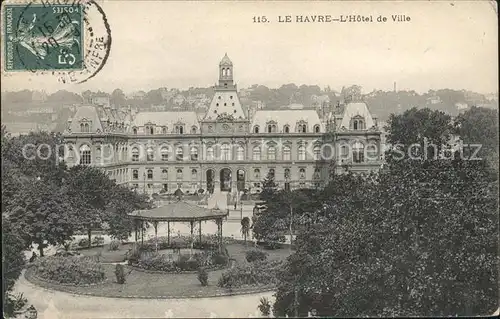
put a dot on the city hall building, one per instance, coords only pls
(227, 148)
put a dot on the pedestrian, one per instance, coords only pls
(33, 257)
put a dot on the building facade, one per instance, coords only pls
(226, 148)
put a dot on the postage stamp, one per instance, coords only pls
(43, 37)
(70, 39)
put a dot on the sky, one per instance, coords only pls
(179, 45)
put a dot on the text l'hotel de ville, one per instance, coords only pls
(351, 18)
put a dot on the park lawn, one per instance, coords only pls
(107, 256)
(156, 285)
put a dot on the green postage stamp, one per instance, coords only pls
(43, 36)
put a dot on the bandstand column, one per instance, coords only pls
(142, 232)
(168, 233)
(199, 232)
(155, 224)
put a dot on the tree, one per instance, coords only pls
(245, 228)
(89, 190)
(118, 98)
(264, 225)
(415, 240)
(44, 214)
(122, 202)
(419, 127)
(479, 126)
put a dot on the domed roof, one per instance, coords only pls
(225, 60)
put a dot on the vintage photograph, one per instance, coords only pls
(237, 159)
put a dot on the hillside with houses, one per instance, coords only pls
(27, 110)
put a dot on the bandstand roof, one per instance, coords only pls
(179, 211)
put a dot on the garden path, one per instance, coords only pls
(60, 305)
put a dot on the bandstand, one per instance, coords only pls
(178, 211)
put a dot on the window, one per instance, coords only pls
(302, 173)
(271, 172)
(287, 153)
(194, 153)
(164, 154)
(85, 155)
(179, 174)
(302, 128)
(179, 129)
(164, 174)
(194, 174)
(226, 152)
(302, 153)
(316, 173)
(256, 153)
(271, 153)
(150, 130)
(344, 152)
(164, 130)
(134, 130)
(256, 174)
(286, 129)
(179, 154)
(165, 187)
(316, 129)
(150, 154)
(240, 153)
(317, 153)
(135, 154)
(85, 127)
(287, 173)
(231, 97)
(358, 152)
(135, 174)
(150, 186)
(210, 153)
(357, 123)
(372, 153)
(256, 129)
(269, 129)
(193, 130)
(150, 174)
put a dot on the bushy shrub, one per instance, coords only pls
(203, 276)
(256, 273)
(114, 245)
(186, 263)
(255, 255)
(133, 255)
(120, 274)
(98, 241)
(69, 270)
(220, 259)
(264, 306)
(157, 263)
(84, 242)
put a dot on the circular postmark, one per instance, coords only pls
(70, 39)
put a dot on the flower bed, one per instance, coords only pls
(69, 270)
(184, 263)
(254, 274)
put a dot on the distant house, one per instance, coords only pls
(139, 95)
(434, 100)
(179, 99)
(101, 100)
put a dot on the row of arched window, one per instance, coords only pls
(149, 174)
(178, 129)
(272, 128)
(226, 153)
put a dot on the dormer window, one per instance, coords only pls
(193, 130)
(85, 127)
(357, 123)
(256, 129)
(316, 129)
(286, 129)
(179, 129)
(134, 130)
(302, 127)
(164, 130)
